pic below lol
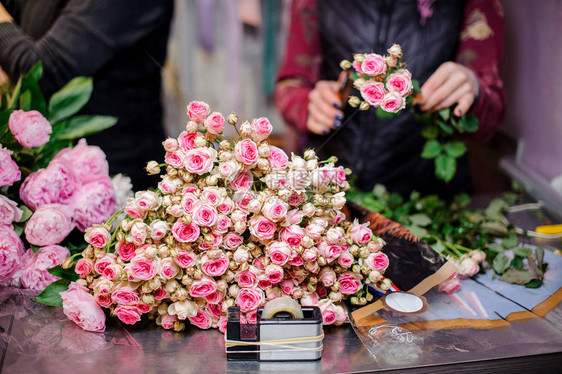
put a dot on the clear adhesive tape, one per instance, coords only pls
(282, 304)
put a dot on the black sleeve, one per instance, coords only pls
(86, 35)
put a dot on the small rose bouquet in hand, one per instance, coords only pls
(386, 84)
(383, 81)
(232, 223)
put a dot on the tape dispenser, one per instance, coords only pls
(285, 331)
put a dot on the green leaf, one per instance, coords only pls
(517, 276)
(35, 73)
(501, 263)
(416, 85)
(25, 101)
(35, 249)
(534, 283)
(81, 126)
(438, 247)
(50, 295)
(510, 242)
(431, 149)
(496, 248)
(468, 123)
(68, 274)
(517, 263)
(462, 200)
(445, 114)
(386, 115)
(445, 127)
(522, 252)
(379, 191)
(534, 268)
(18, 228)
(445, 167)
(455, 148)
(70, 99)
(430, 132)
(27, 213)
(420, 219)
(539, 254)
(420, 232)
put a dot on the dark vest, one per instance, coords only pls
(377, 150)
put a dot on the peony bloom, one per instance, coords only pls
(88, 161)
(50, 224)
(30, 129)
(9, 170)
(94, 203)
(35, 273)
(81, 308)
(56, 184)
(9, 211)
(11, 253)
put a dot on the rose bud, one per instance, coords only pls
(179, 326)
(354, 101)
(385, 284)
(232, 118)
(364, 106)
(152, 167)
(345, 64)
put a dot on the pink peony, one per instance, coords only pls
(35, 273)
(11, 253)
(88, 161)
(373, 65)
(200, 160)
(373, 92)
(31, 129)
(197, 111)
(249, 299)
(127, 314)
(215, 123)
(9, 170)
(393, 102)
(246, 152)
(94, 203)
(377, 261)
(9, 211)
(50, 224)
(81, 308)
(349, 283)
(55, 184)
(261, 128)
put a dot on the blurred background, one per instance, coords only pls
(239, 44)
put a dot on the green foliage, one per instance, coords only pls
(454, 229)
(51, 294)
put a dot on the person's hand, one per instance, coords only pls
(323, 112)
(4, 15)
(450, 84)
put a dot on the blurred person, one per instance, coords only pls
(453, 48)
(121, 44)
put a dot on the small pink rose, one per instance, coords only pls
(327, 276)
(292, 235)
(197, 111)
(168, 268)
(360, 233)
(278, 158)
(247, 279)
(279, 253)
(232, 241)
(185, 233)
(246, 152)
(261, 128)
(329, 312)
(274, 273)
(214, 267)
(262, 228)
(104, 262)
(125, 296)
(142, 268)
(202, 320)
(200, 160)
(275, 209)
(126, 250)
(204, 214)
(377, 261)
(349, 283)
(393, 102)
(84, 267)
(243, 180)
(98, 236)
(168, 321)
(186, 140)
(202, 287)
(185, 259)
(398, 82)
(175, 159)
(215, 123)
(127, 314)
(373, 92)
(249, 298)
(373, 65)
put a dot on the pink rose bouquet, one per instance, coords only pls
(224, 233)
